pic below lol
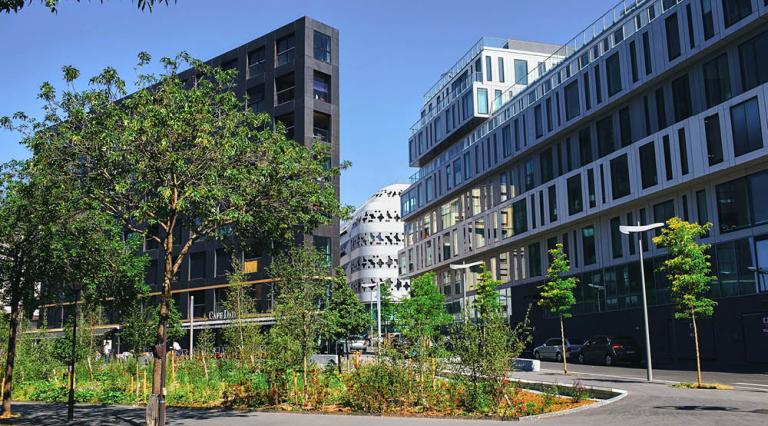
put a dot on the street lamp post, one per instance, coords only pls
(378, 308)
(463, 267)
(625, 229)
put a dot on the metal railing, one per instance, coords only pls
(519, 97)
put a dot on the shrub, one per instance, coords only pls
(378, 387)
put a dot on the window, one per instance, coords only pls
(501, 70)
(661, 110)
(552, 195)
(197, 265)
(198, 303)
(735, 10)
(538, 125)
(625, 127)
(613, 70)
(585, 147)
(521, 71)
(714, 140)
(717, 82)
(745, 123)
(323, 245)
(598, 86)
(256, 98)
(506, 141)
(683, 148)
(321, 126)
(284, 86)
(664, 211)
(482, 101)
(605, 143)
(647, 53)
(647, 166)
(150, 273)
(467, 167)
(587, 98)
(497, 100)
(591, 188)
(681, 98)
(633, 60)
(620, 177)
(588, 245)
(667, 157)
(457, 172)
(733, 205)
(488, 70)
(707, 19)
(322, 47)
(321, 85)
(546, 165)
(534, 260)
(550, 120)
(702, 215)
(256, 60)
(285, 49)
(673, 37)
(753, 58)
(519, 217)
(430, 188)
(689, 18)
(530, 175)
(572, 108)
(616, 247)
(575, 202)
(286, 120)
(223, 262)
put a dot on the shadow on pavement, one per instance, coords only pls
(56, 414)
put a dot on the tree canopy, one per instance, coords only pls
(9, 6)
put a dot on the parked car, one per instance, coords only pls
(609, 350)
(358, 343)
(553, 349)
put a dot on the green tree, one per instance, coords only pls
(302, 275)
(9, 6)
(556, 294)
(54, 248)
(486, 346)
(206, 343)
(242, 335)
(421, 318)
(174, 156)
(689, 272)
(344, 315)
(388, 305)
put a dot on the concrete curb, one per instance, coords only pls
(599, 402)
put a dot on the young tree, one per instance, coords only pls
(206, 343)
(557, 293)
(171, 157)
(301, 275)
(244, 336)
(388, 306)
(487, 346)
(421, 318)
(689, 272)
(344, 314)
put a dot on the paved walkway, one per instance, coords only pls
(647, 404)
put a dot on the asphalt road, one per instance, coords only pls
(646, 404)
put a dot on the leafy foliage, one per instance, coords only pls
(345, 315)
(557, 292)
(688, 267)
(242, 336)
(9, 6)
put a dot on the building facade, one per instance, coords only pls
(370, 241)
(657, 110)
(292, 74)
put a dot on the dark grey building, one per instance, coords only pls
(658, 109)
(292, 74)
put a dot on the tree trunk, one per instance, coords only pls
(562, 342)
(10, 359)
(696, 341)
(161, 343)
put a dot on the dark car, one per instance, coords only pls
(609, 350)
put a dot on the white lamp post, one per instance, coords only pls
(624, 229)
(378, 308)
(464, 267)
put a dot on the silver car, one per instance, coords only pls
(553, 349)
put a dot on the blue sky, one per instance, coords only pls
(392, 51)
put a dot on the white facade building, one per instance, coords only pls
(370, 241)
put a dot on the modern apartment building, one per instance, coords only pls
(370, 241)
(658, 109)
(292, 74)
